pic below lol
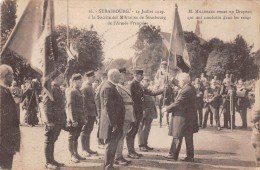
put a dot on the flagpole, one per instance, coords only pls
(68, 23)
(171, 39)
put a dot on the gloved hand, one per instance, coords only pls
(49, 126)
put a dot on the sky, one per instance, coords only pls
(225, 29)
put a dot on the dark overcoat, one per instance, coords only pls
(9, 123)
(184, 116)
(112, 110)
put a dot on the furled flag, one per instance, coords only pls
(178, 47)
(34, 41)
(71, 52)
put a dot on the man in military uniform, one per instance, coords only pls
(54, 110)
(203, 79)
(90, 112)
(242, 102)
(129, 117)
(98, 105)
(212, 102)
(227, 91)
(149, 114)
(199, 99)
(137, 93)
(75, 116)
(9, 123)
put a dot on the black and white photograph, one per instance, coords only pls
(130, 85)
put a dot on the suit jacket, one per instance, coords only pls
(184, 116)
(138, 92)
(9, 123)
(89, 100)
(112, 111)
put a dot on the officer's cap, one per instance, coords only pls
(139, 71)
(122, 70)
(163, 63)
(76, 77)
(90, 73)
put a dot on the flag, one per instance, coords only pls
(34, 41)
(71, 52)
(178, 47)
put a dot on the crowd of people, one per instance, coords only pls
(123, 110)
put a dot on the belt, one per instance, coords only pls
(128, 103)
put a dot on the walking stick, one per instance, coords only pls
(231, 109)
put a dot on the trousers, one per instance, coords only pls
(144, 131)
(176, 146)
(6, 160)
(51, 137)
(130, 136)
(110, 149)
(86, 132)
(120, 146)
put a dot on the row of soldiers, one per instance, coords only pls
(218, 98)
(120, 110)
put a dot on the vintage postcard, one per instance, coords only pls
(216, 43)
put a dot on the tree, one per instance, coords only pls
(234, 57)
(197, 53)
(8, 17)
(149, 49)
(87, 43)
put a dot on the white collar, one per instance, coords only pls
(112, 82)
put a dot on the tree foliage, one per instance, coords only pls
(8, 17)
(149, 49)
(87, 43)
(233, 57)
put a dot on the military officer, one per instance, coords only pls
(90, 113)
(242, 102)
(54, 111)
(199, 99)
(149, 114)
(129, 117)
(75, 116)
(212, 103)
(137, 93)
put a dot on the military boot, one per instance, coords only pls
(88, 146)
(73, 158)
(75, 147)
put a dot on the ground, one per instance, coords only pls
(213, 150)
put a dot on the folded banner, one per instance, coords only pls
(33, 40)
(178, 47)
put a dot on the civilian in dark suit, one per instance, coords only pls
(137, 92)
(184, 120)
(90, 113)
(112, 117)
(9, 122)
